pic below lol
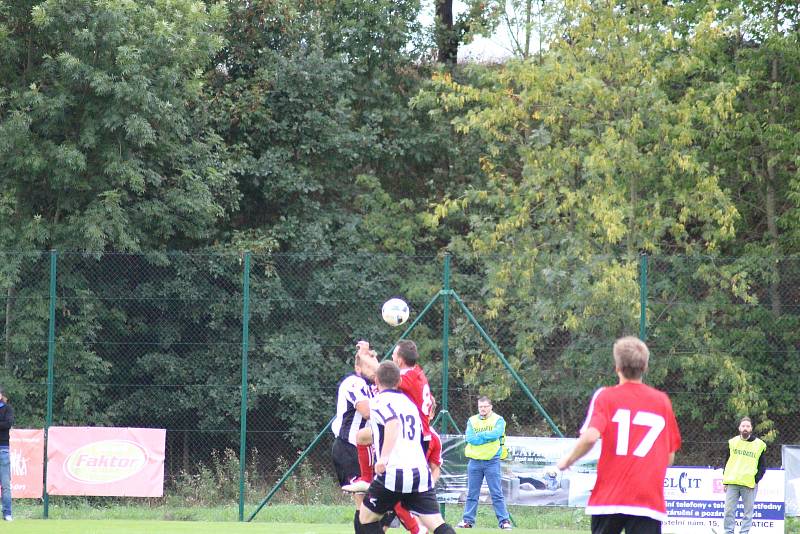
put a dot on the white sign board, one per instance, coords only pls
(696, 502)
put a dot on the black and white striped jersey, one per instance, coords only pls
(406, 469)
(352, 389)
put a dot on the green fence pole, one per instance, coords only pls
(51, 356)
(507, 365)
(445, 351)
(289, 471)
(245, 350)
(643, 296)
(445, 339)
(414, 323)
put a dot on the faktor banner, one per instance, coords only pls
(26, 447)
(100, 461)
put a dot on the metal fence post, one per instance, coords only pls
(245, 350)
(489, 341)
(51, 356)
(643, 296)
(445, 338)
(445, 349)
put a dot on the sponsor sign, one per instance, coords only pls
(529, 476)
(26, 451)
(127, 462)
(790, 459)
(696, 502)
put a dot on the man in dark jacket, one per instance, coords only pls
(6, 422)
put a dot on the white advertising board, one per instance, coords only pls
(696, 502)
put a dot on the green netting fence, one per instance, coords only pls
(238, 355)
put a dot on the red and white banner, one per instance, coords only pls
(126, 462)
(26, 448)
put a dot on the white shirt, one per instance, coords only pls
(406, 467)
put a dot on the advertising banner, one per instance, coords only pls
(790, 459)
(529, 476)
(696, 502)
(26, 448)
(125, 462)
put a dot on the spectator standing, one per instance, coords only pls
(6, 422)
(486, 435)
(744, 468)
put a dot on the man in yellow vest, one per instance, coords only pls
(486, 436)
(744, 467)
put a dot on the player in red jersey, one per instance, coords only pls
(434, 456)
(639, 438)
(414, 383)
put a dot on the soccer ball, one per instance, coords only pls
(395, 311)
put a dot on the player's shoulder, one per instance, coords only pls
(641, 393)
(413, 377)
(397, 398)
(352, 380)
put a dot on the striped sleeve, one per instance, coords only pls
(385, 413)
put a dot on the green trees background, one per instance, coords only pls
(342, 144)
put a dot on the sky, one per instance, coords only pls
(492, 48)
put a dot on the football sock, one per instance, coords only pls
(365, 462)
(357, 523)
(444, 528)
(372, 528)
(406, 519)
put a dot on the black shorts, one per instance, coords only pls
(632, 524)
(381, 500)
(345, 461)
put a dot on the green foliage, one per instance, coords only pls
(100, 141)
(314, 134)
(596, 152)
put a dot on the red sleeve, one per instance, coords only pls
(598, 413)
(434, 455)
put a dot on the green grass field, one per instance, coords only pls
(91, 526)
(82, 518)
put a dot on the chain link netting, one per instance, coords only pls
(155, 340)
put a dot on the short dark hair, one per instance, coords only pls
(742, 420)
(407, 350)
(631, 356)
(388, 375)
(485, 399)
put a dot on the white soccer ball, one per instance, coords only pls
(395, 311)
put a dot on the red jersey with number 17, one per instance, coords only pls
(414, 384)
(638, 431)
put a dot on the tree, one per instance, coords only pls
(589, 160)
(102, 148)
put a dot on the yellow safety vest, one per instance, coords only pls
(743, 462)
(486, 451)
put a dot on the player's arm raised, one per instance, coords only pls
(391, 433)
